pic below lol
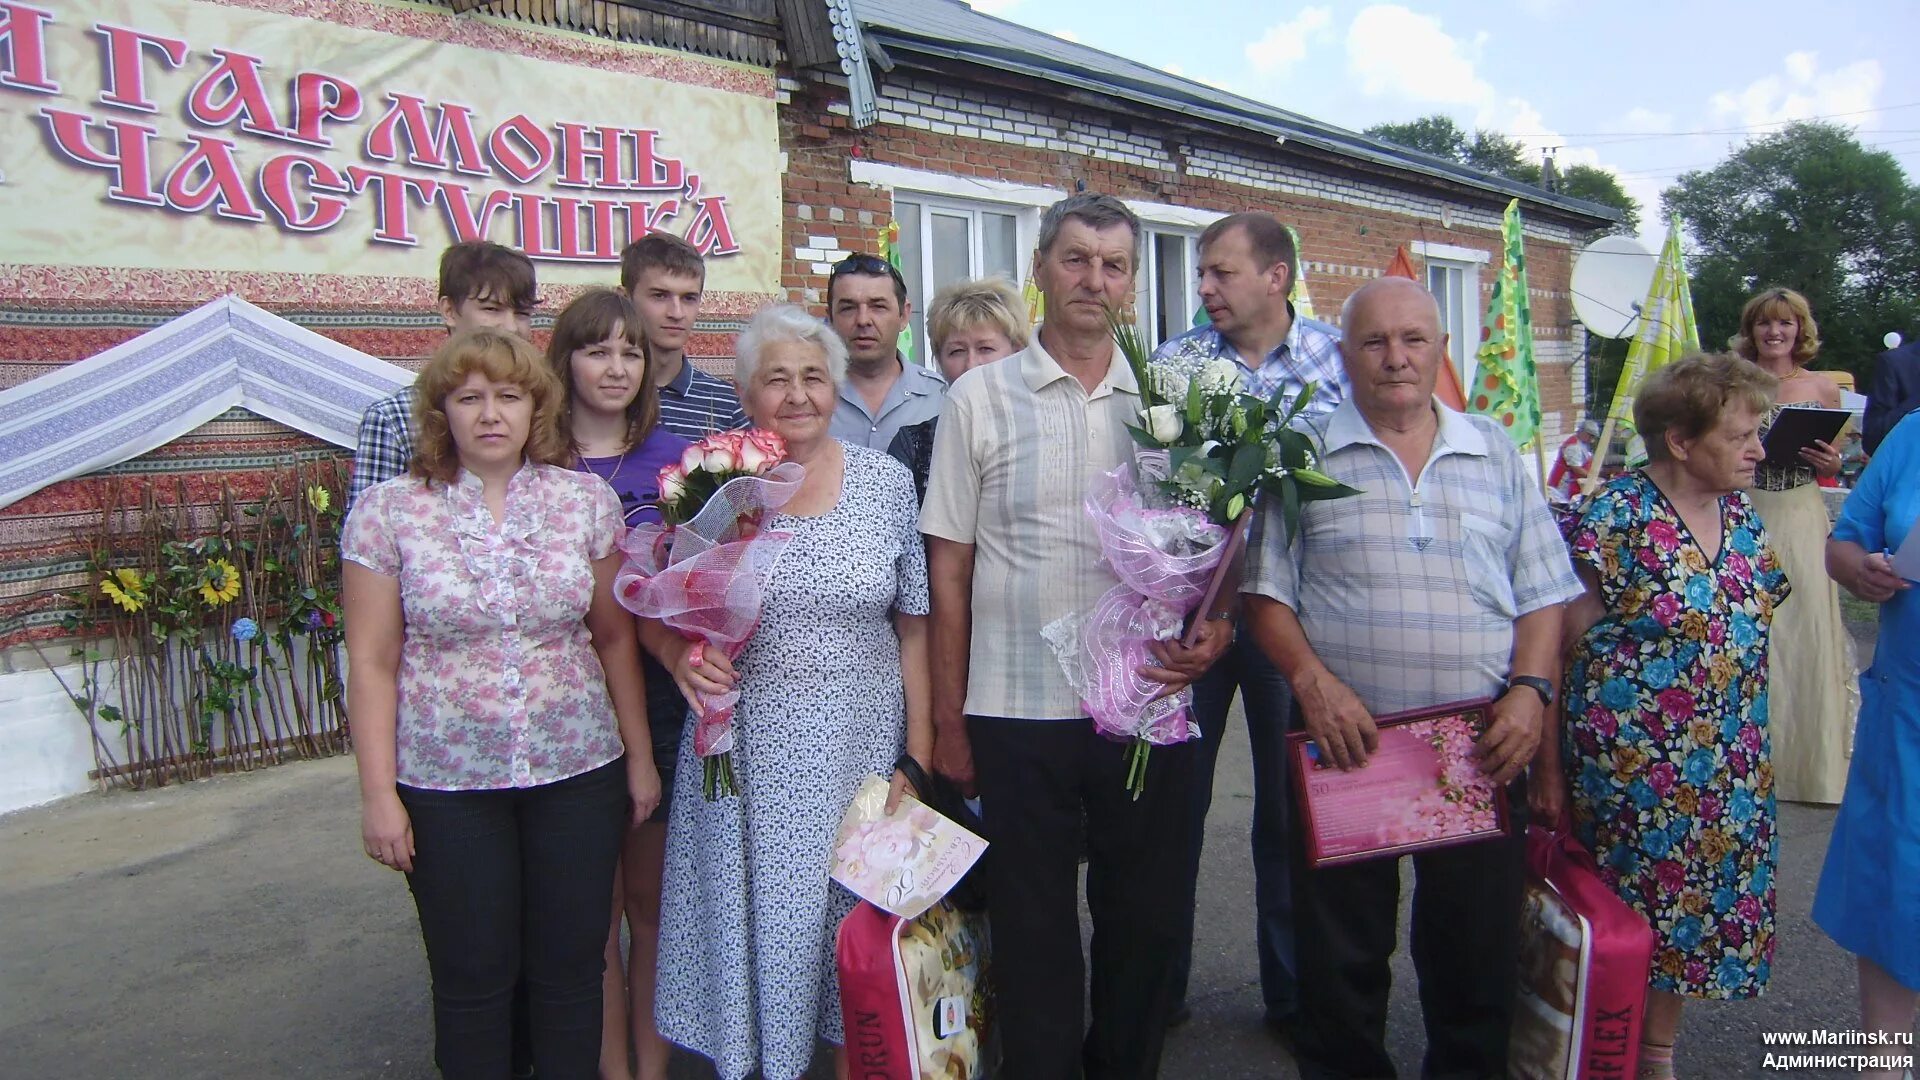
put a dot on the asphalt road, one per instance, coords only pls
(233, 929)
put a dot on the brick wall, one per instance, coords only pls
(1350, 224)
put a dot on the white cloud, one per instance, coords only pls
(1397, 52)
(1175, 70)
(1639, 118)
(1066, 35)
(1802, 90)
(1285, 44)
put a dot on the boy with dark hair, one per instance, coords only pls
(665, 276)
(483, 286)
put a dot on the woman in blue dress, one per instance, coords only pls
(1869, 898)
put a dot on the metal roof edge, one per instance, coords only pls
(1217, 105)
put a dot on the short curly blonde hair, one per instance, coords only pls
(1778, 303)
(502, 358)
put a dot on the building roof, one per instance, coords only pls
(144, 393)
(952, 30)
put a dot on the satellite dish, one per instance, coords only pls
(1610, 279)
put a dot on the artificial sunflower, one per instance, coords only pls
(320, 499)
(124, 587)
(220, 583)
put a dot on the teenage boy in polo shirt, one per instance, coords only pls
(665, 276)
(483, 286)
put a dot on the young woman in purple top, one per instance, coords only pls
(611, 419)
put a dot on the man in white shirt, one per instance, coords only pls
(1011, 549)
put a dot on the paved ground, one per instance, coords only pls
(233, 929)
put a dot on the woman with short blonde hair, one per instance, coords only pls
(969, 324)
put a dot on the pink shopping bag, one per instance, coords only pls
(1584, 959)
(915, 995)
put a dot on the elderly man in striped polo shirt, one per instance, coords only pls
(1441, 582)
(1011, 549)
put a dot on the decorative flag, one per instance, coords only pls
(1506, 386)
(890, 251)
(1447, 387)
(1667, 330)
(1297, 295)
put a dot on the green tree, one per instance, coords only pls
(1595, 184)
(1497, 153)
(1812, 209)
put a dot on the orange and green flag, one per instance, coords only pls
(1506, 385)
(1666, 332)
(890, 251)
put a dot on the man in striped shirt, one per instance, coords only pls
(664, 275)
(1440, 582)
(483, 286)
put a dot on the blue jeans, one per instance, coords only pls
(1243, 667)
(510, 882)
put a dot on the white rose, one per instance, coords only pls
(1164, 423)
(672, 486)
(1220, 377)
(752, 458)
(719, 459)
(691, 459)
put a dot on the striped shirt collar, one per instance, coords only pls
(1345, 427)
(1041, 370)
(681, 383)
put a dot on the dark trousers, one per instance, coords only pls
(1243, 667)
(510, 882)
(1464, 937)
(1039, 781)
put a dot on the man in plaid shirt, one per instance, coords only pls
(483, 286)
(1247, 267)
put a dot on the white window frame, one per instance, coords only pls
(1462, 324)
(1169, 220)
(944, 193)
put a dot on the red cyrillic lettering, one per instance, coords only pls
(393, 218)
(467, 222)
(282, 192)
(406, 116)
(128, 159)
(653, 172)
(318, 98)
(126, 73)
(527, 160)
(711, 232)
(23, 48)
(246, 96)
(219, 184)
(604, 149)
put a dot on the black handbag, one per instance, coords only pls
(943, 798)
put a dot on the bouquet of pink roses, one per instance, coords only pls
(705, 571)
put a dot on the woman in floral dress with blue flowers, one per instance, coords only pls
(1665, 747)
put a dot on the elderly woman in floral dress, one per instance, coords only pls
(833, 686)
(1665, 745)
(497, 709)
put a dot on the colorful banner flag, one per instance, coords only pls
(1667, 330)
(1506, 385)
(1297, 295)
(890, 251)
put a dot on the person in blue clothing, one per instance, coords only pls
(1869, 897)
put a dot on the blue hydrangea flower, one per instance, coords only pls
(1743, 541)
(1745, 632)
(1723, 899)
(1656, 843)
(1642, 794)
(1742, 806)
(1731, 972)
(245, 630)
(1658, 673)
(1729, 727)
(1618, 694)
(1699, 767)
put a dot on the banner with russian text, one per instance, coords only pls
(163, 152)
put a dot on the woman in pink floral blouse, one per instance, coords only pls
(497, 705)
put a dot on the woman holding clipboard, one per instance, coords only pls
(1812, 696)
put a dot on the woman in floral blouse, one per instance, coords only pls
(1665, 746)
(497, 706)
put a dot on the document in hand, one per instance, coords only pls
(1796, 429)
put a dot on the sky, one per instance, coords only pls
(1647, 89)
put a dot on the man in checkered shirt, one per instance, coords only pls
(1441, 582)
(483, 286)
(1247, 269)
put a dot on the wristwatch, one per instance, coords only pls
(1536, 684)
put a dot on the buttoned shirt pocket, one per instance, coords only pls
(1483, 545)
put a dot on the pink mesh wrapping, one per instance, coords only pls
(1164, 560)
(707, 578)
